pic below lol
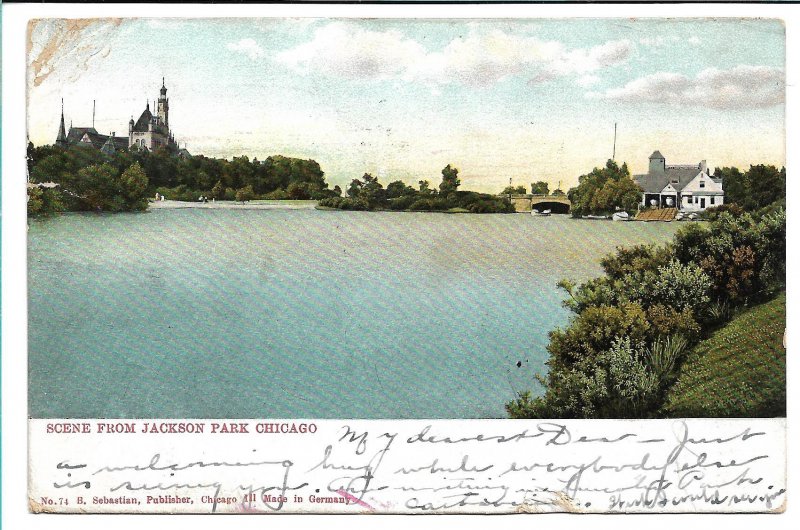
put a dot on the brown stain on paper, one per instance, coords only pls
(68, 35)
(37, 507)
(561, 500)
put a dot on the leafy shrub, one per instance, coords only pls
(45, 201)
(638, 258)
(713, 213)
(592, 293)
(277, 195)
(615, 383)
(490, 206)
(428, 204)
(666, 321)
(682, 287)
(402, 203)
(594, 330)
(344, 203)
(245, 194)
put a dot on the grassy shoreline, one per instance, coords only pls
(742, 365)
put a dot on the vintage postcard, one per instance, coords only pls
(406, 265)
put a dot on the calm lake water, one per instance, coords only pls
(300, 313)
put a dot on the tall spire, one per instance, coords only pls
(61, 139)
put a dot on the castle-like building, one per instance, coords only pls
(149, 132)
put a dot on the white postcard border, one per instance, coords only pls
(14, 378)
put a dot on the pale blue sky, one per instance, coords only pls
(500, 99)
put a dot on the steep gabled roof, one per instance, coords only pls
(678, 177)
(76, 133)
(120, 142)
(143, 122)
(651, 183)
(95, 138)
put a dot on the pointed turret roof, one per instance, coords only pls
(656, 154)
(108, 147)
(163, 88)
(144, 120)
(61, 139)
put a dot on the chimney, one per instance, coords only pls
(703, 167)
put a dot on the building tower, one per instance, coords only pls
(61, 139)
(658, 164)
(163, 105)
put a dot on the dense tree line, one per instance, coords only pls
(78, 169)
(605, 190)
(537, 188)
(367, 193)
(759, 186)
(631, 327)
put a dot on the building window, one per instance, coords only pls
(696, 200)
(712, 200)
(702, 183)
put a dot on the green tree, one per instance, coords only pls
(354, 189)
(99, 188)
(540, 188)
(372, 191)
(134, 187)
(617, 194)
(398, 188)
(766, 184)
(245, 194)
(450, 180)
(425, 188)
(35, 201)
(734, 184)
(604, 190)
(514, 190)
(218, 191)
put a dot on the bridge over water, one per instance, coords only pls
(554, 203)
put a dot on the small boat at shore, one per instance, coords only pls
(595, 217)
(543, 213)
(621, 216)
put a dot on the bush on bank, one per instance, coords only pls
(632, 327)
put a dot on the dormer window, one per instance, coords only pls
(702, 183)
(674, 181)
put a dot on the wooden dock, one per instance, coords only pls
(660, 214)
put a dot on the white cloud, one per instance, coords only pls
(248, 47)
(584, 61)
(353, 52)
(479, 59)
(743, 86)
(659, 41)
(587, 80)
(484, 59)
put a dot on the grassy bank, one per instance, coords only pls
(740, 371)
